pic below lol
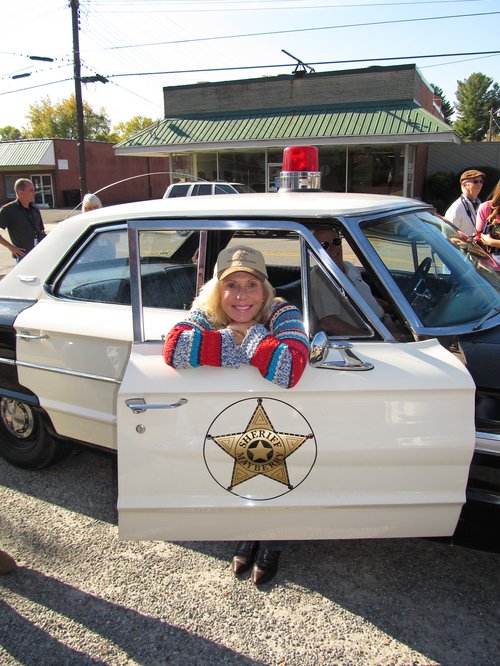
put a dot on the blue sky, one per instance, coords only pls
(134, 38)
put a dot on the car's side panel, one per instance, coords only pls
(9, 312)
(72, 355)
(382, 453)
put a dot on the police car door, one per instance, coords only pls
(374, 441)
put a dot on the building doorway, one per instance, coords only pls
(44, 194)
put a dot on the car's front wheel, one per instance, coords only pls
(24, 440)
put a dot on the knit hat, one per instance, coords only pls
(471, 174)
(240, 258)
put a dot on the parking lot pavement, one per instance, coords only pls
(82, 597)
(50, 217)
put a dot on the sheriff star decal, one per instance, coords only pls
(257, 461)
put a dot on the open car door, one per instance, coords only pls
(378, 448)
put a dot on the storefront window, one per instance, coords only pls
(243, 167)
(366, 169)
(332, 166)
(182, 167)
(206, 165)
(376, 169)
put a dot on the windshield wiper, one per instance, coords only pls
(487, 316)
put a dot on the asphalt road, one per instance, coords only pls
(80, 596)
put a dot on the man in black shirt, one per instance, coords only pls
(22, 220)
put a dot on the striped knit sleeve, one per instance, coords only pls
(194, 342)
(279, 351)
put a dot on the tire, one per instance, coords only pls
(24, 440)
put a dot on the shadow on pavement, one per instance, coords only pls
(145, 640)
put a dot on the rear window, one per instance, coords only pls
(179, 191)
(201, 189)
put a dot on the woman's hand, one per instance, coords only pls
(240, 329)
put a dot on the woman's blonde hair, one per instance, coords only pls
(208, 300)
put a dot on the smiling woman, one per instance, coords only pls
(237, 320)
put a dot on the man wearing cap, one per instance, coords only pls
(462, 212)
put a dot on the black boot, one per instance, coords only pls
(266, 566)
(244, 557)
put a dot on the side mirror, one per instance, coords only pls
(348, 360)
(319, 349)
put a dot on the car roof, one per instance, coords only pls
(206, 182)
(279, 206)
(292, 205)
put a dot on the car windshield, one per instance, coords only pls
(446, 279)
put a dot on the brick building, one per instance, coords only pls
(53, 166)
(372, 128)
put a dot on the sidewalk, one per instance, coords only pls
(50, 217)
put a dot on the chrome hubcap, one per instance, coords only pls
(17, 417)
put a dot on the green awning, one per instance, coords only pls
(392, 122)
(27, 153)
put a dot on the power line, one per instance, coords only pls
(247, 67)
(324, 62)
(301, 30)
(40, 85)
(287, 65)
(274, 9)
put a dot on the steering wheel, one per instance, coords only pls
(419, 275)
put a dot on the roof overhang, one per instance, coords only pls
(16, 155)
(396, 122)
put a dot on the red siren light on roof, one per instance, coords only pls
(300, 169)
(300, 158)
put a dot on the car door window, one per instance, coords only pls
(201, 189)
(100, 272)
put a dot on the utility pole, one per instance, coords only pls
(78, 98)
(490, 128)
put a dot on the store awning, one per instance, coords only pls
(16, 154)
(393, 122)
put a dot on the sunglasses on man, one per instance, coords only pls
(335, 241)
(475, 182)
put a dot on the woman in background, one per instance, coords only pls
(488, 223)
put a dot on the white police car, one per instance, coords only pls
(382, 436)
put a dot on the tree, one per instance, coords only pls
(59, 121)
(136, 124)
(446, 108)
(9, 133)
(476, 96)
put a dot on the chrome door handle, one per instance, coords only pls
(139, 405)
(28, 336)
